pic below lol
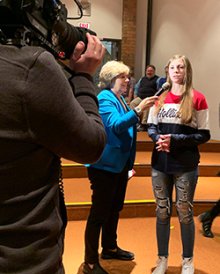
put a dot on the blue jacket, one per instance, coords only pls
(120, 126)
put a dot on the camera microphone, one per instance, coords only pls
(164, 87)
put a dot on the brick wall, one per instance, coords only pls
(128, 32)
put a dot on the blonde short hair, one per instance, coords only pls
(111, 70)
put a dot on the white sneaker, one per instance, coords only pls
(161, 266)
(187, 266)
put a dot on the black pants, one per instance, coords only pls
(107, 201)
(215, 211)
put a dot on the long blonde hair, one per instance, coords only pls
(186, 104)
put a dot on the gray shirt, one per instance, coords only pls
(42, 118)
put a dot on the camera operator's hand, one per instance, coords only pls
(88, 61)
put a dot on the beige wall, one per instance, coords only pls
(179, 26)
(191, 28)
(141, 38)
(105, 19)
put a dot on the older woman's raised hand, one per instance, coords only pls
(147, 102)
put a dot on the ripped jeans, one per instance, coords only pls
(185, 184)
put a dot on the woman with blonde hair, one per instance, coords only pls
(178, 123)
(109, 176)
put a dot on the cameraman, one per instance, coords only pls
(43, 117)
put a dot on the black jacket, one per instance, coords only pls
(148, 87)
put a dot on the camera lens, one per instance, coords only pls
(67, 36)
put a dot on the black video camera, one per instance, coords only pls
(39, 23)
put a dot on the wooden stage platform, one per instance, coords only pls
(139, 200)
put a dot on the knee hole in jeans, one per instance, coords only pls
(184, 210)
(163, 209)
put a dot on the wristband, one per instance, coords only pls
(138, 111)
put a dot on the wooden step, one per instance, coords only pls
(209, 162)
(139, 200)
(211, 146)
(134, 210)
(144, 143)
(77, 190)
(80, 171)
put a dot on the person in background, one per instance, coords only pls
(43, 117)
(207, 218)
(162, 80)
(146, 87)
(136, 86)
(178, 123)
(109, 175)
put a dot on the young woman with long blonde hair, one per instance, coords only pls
(178, 123)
